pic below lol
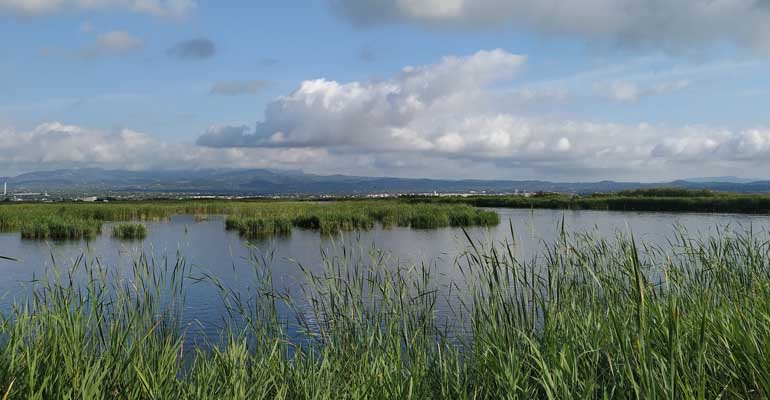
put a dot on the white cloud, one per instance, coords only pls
(448, 114)
(699, 143)
(385, 114)
(629, 91)
(118, 41)
(158, 8)
(671, 25)
(31, 7)
(234, 136)
(57, 145)
(112, 44)
(54, 143)
(506, 148)
(544, 94)
(623, 91)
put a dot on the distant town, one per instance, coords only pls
(110, 196)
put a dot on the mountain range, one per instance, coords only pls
(287, 182)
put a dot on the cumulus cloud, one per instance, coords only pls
(630, 91)
(232, 136)
(696, 144)
(447, 114)
(238, 88)
(193, 49)
(671, 25)
(159, 8)
(329, 113)
(56, 143)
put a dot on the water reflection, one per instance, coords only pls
(210, 250)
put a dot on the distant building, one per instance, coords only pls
(90, 199)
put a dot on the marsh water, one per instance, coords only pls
(210, 250)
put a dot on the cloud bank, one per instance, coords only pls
(671, 25)
(58, 145)
(447, 115)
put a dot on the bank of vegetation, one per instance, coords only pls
(256, 218)
(589, 318)
(663, 199)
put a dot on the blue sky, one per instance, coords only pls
(556, 89)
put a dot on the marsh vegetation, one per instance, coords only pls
(56, 227)
(256, 218)
(652, 200)
(587, 318)
(127, 231)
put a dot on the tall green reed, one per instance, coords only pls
(129, 231)
(584, 318)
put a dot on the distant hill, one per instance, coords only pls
(279, 182)
(721, 179)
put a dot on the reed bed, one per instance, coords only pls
(340, 217)
(129, 231)
(661, 199)
(60, 228)
(586, 318)
(258, 218)
(256, 227)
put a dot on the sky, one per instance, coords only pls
(566, 90)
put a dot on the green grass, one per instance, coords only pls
(255, 218)
(129, 231)
(587, 318)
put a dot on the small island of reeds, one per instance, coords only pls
(129, 231)
(55, 227)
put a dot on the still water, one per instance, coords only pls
(209, 249)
